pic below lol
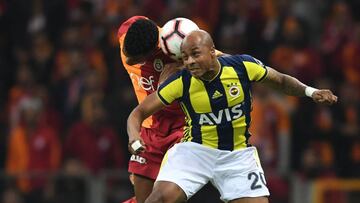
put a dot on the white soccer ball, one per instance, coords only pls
(172, 34)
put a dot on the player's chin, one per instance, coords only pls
(195, 74)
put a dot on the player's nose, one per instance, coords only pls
(189, 61)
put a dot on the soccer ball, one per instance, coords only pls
(172, 34)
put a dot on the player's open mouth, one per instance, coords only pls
(193, 68)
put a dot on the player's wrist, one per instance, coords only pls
(309, 91)
(136, 145)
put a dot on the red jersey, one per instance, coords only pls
(97, 149)
(36, 151)
(145, 78)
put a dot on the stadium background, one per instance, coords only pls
(61, 73)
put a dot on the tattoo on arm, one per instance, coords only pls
(284, 83)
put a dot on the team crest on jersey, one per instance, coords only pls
(234, 90)
(158, 65)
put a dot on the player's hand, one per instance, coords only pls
(324, 97)
(136, 146)
(170, 69)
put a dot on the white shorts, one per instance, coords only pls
(235, 174)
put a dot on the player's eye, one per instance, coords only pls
(196, 54)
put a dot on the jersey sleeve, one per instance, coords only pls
(255, 69)
(171, 89)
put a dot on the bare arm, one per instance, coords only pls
(292, 86)
(284, 83)
(149, 106)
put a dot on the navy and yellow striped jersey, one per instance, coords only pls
(217, 111)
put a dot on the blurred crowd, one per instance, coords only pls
(65, 97)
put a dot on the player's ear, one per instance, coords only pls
(212, 51)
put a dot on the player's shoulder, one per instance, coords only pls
(231, 60)
(238, 59)
(126, 24)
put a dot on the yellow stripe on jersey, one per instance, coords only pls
(254, 70)
(171, 91)
(239, 127)
(201, 104)
(198, 96)
(209, 135)
(231, 83)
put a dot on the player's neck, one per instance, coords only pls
(213, 73)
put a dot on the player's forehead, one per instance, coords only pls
(191, 43)
(190, 49)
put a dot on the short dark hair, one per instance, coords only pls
(141, 38)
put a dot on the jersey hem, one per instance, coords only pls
(265, 74)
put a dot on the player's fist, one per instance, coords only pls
(324, 97)
(136, 146)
